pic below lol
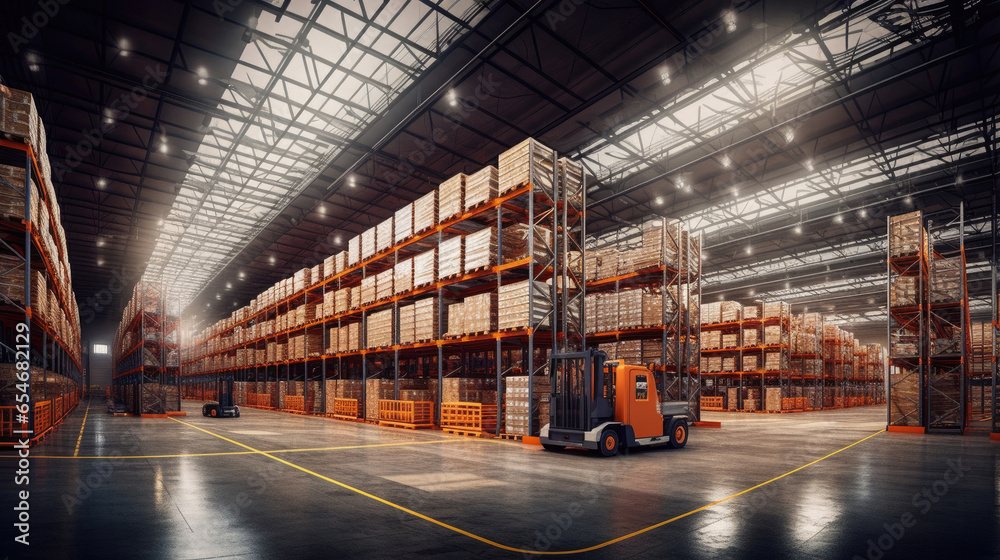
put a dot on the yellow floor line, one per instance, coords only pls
(179, 455)
(82, 426)
(522, 550)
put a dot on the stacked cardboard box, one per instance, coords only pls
(607, 312)
(407, 316)
(775, 361)
(907, 235)
(751, 363)
(481, 187)
(425, 268)
(776, 309)
(451, 197)
(946, 282)
(480, 313)
(342, 301)
(775, 335)
(730, 311)
(329, 303)
(403, 224)
(384, 284)
(480, 249)
(353, 250)
(903, 291)
(450, 257)
(425, 319)
(516, 238)
(751, 337)
(652, 309)
(711, 340)
(384, 235)
(518, 409)
(528, 162)
(378, 329)
(333, 341)
(456, 319)
(514, 302)
(425, 212)
(629, 309)
(369, 240)
(403, 277)
(368, 290)
(711, 313)
(355, 297)
(751, 312)
(730, 340)
(474, 390)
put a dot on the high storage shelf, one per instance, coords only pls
(312, 335)
(981, 371)
(35, 285)
(763, 358)
(643, 288)
(745, 357)
(928, 325)
(146, 353)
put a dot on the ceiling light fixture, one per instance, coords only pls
(351, 182)
(729, 19)
(452, 98)
(798, 229)
(789, 135)
(338, 240)
(202, 75)
(659, 201)
(838, 219)
(322, 209)
(748, 250)
(809, 165)
(123, 46)
(100, 242)
(102, 182)
(242, 275)
(229, 285)
(100, 262)
(272, 260)
(665, 76)
(726, 162)
(908, 199)
(864, 213)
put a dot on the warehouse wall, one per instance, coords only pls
(100, 369)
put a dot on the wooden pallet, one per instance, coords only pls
(512, 437)
(479, 268)
(345, 417)
(466, 433)
(405, 425)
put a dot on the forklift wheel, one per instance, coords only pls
(609, 443)
(678, 433)
(213, 412)
(237, 412)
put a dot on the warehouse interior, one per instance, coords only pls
(786, 211)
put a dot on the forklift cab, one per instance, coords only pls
(226, 405)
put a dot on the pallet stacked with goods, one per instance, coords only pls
(838, 365)
(907, 286)
(146, 353)
(929, 332)
(869, 372)
(981, 370)
(449, 298)
(772, 361)
(643, 299)
(745, 357)
(40, 362)
(807, 357)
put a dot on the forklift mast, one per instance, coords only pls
(582, 390)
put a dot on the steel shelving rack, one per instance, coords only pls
(146, 353)
(679, 285)
(907, 269)
(549, 200)
(55, 346)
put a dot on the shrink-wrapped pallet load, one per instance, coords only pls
(480, 187)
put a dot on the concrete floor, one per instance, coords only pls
(159, 488)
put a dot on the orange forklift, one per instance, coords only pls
(603, 405)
